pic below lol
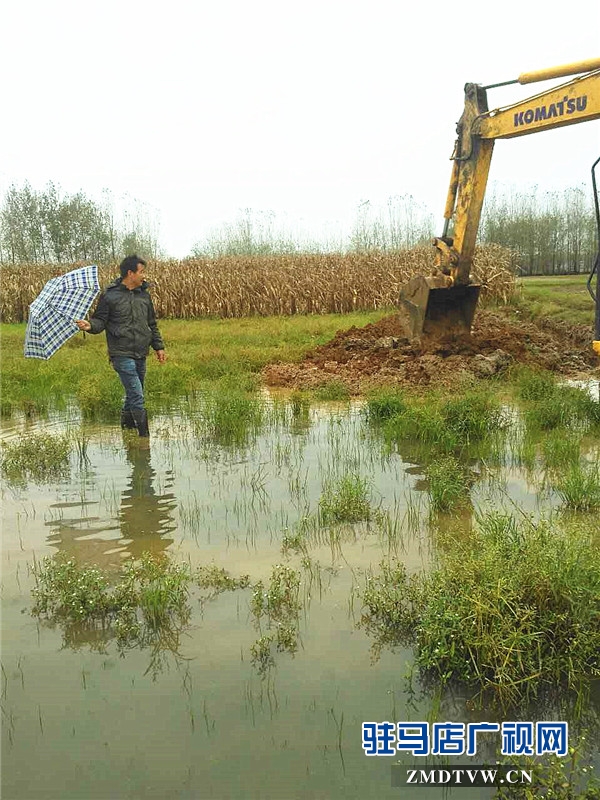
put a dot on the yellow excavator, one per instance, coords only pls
(446, 301)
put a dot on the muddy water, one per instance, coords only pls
(199, 720)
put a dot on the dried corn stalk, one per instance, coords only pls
(241, 286)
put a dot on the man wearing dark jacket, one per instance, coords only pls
(126, 312)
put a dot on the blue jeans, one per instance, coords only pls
(132, 372)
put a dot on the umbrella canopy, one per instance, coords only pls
(53, 313)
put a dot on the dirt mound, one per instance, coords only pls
(379, 353)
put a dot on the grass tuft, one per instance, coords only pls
(232, 416)
(334, 390)
(579, 488)
(512, 609)
(345, 500)
(448, 483)
(38, 457)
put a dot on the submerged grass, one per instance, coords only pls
(556, 778)
(278, 603)
(37, 457)
(448, 483)
(443, 425)
(146, 607)
(579, 487)
(347, 499)
(513, 609)
(146, 603)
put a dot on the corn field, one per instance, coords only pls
(240, 286)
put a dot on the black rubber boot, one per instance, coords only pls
(127, 420)
(140, 416)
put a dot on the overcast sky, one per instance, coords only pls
(200, 109)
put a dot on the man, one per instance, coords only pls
(126, 312)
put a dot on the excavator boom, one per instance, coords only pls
(445, 302)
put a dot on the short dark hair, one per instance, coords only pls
(130, 264)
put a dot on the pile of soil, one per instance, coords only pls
(380, 353)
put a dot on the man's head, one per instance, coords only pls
(132, 271)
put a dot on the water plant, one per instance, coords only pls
(448, 483)
(38, 457)
(219, 580)
(569, 778)
(146, 604)
(512, 609)
(579, 487)
(333, 390)
(347, 499)
(278, 600)
(279, 603)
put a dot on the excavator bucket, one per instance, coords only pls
(433, 308)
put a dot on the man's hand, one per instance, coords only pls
(83, 325)
(161, 355)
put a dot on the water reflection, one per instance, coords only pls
(146, 516)
(143, 522)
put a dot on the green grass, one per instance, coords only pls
(385, 404)
(443, 425)
(579, 487)
(230, 415)
(333, 390)
(448, 483)
(562, 297)
(561, 449)
(549, 406)
(199, 352)
(38, 457)
(512, 609)
(347, 499)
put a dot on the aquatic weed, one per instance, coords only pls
(347, 499)
(513, 608)
(448, 483)
(579, 488)
(37, 457)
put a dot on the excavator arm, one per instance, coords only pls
(446, 302)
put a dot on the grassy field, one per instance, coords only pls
(556, 296)
(199, 352)
(202, 351)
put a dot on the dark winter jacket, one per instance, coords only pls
(129, 319)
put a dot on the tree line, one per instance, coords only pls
(45, 226)
(552, 232)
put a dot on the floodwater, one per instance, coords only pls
(199, 719)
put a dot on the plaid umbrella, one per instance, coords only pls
(53, 313)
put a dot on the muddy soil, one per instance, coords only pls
(362, 358)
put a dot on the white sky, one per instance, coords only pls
(200, 109)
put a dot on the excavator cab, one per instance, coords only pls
(444, 303)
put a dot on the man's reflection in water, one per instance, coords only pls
(146, 517)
